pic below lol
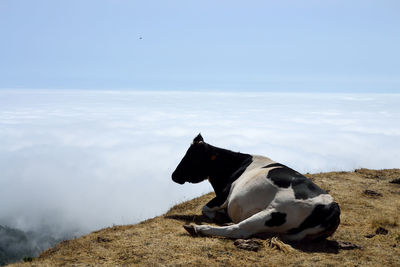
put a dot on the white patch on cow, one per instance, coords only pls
(284, 196)
(324, 199)
(251, 192)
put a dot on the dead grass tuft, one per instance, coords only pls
(279, 245)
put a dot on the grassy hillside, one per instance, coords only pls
(163, 241)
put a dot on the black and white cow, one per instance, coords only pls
(258, 194)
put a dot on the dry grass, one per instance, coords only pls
(162, 241)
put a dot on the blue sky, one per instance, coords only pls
(327, 46)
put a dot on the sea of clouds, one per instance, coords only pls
(74, 161)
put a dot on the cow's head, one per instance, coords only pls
(194, 166)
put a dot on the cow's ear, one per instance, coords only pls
(198, 139)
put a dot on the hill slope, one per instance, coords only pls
(163, 241)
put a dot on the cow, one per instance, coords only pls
(258, 194)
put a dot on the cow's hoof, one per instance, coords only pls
(190, 229)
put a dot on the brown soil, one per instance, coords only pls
(162, 241)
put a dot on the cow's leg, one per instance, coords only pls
(263, 221)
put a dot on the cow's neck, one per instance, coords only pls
(226, 167)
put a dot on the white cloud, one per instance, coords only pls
(81, 160)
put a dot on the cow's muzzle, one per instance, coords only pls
(176, 179)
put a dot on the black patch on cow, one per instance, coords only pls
(303, 187)
(326, 216)
(277, 219)
(282, 176)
